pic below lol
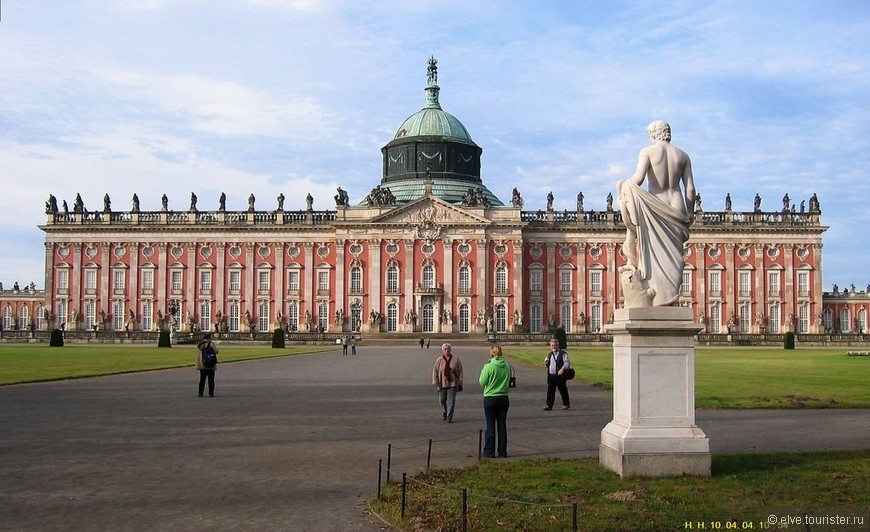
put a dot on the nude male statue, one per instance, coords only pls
(657, 221)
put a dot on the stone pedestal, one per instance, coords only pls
(653, 432)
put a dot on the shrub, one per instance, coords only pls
(559, 334)
(164, 340)
(278, 339)
(789, 340)
(56, 338)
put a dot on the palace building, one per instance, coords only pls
(430, 250)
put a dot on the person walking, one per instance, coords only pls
(557, 362)
(352, 346)
(495, 377)
(344, 345)
(447, 377)
(204, 350)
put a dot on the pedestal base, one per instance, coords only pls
(654, 452)
(653, 432)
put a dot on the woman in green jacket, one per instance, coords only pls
(495, 379)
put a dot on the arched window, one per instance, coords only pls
(500, 318)
(263, 315)
(465, 279)
(23, 315)
(392, 317)
(828, 320)
(40, 318)
(8, 320)
(90, 314)
(205, 315)
(293, 316)
(715, 316)
(773, 321)
(147, 315)
(862, 321)
(118, 315)
(355, 317)
(803, 324)
(595, 317)
(428, 275)
(428, 318)
(323, 315)
(535, 318)
(565, 315)
(392, 277)
(845, 320)
(234, 316)
(356, 279)
(464, 318)
(501, 278)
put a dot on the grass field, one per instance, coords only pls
(33, 363)
(747, 377)
(742, 494)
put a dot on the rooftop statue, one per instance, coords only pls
(135, 202)
(107, 203)
(222, 202)
(580, 201)
(192, 202)
(657, 221)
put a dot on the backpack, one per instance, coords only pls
(209, 357)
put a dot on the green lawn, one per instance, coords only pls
(747, 377)
(39, 362)
(539, 494)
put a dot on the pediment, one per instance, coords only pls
(430, 210)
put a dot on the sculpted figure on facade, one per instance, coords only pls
(580, 201)
(550, 201)
(192, 202)
(107, 203)
(728, 201)
(657, 220)
(251, 200)
(164, 203)
(281, 201)
(341, 199)
(78, 204)
(309, 202)
(756, 205)
(222, 202)
(51, 204)
(135, 202)
(516, 199)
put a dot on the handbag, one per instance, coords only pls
(512, 383)
(569, 374)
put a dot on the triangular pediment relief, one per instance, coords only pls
(430, 210)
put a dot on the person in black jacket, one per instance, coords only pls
(205, 372)
(556, 363)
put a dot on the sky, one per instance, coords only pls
(267, 97)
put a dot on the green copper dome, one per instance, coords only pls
(433, 145)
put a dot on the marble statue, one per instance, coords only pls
(192, 202)
(251, 200)
(107, 203)
(728, 201)
(135, 202)
(580, 201)
(309, 202)
(281, 201)
(550, 201)
(164, 203)
(756, 205)
(657, 221)
(222, 202)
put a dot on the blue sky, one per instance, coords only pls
(299, 96)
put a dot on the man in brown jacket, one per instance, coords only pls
(447, 377)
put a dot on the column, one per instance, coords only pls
(447, 302)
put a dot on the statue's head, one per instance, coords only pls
(659, 130)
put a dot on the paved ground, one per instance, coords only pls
(293, 443)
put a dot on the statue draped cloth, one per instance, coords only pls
(661, 231)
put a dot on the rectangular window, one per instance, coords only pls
(686, 287)
(90, 281)
(235, 282)
(428, 276)
(175, 280)
(803, 283)
(565, 281)
(293, 281)
(773, 283)
(535, 280)
(205, 282)
(744, 281)
(595, 282)
(118, 277)
(715, 283)
(147, 281)
(264, 281)
(323, 280)
(62, 281)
